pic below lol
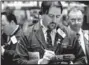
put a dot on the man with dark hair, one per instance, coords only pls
(10, 35)
(46, 5)
(10, 15)
(48, 39)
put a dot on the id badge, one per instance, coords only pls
(14, 39)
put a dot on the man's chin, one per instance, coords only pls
(52, 27)
(76, 29)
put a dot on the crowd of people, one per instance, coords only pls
(47, 41)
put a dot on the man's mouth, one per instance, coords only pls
(52, 25)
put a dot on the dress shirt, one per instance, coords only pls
(53, 33)
(81, 39)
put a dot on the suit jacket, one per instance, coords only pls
(86, 42)
(3, 39)
(35, 42)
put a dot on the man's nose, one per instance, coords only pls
(54, 19)
(76, 21)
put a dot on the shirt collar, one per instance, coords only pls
(17, 27)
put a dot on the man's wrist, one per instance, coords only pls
(3, 50)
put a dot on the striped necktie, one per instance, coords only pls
(49, 40)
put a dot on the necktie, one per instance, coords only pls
(78, 35)
(49, 40)
(78, 38)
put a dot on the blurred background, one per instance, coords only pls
(28, 11)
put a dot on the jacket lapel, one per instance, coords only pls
(86, 42)
(40, 38)
(86, 47)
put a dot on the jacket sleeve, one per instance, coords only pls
(22, 55)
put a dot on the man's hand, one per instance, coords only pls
(2, 50)
(48, 55)
(63, 58)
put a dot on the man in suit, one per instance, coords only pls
(48, 38)
(75, 17)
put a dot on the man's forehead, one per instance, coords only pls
(55, 10)
(75, 13)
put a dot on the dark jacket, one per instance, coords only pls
(35, 42)
(86, 42)
(9, 53)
